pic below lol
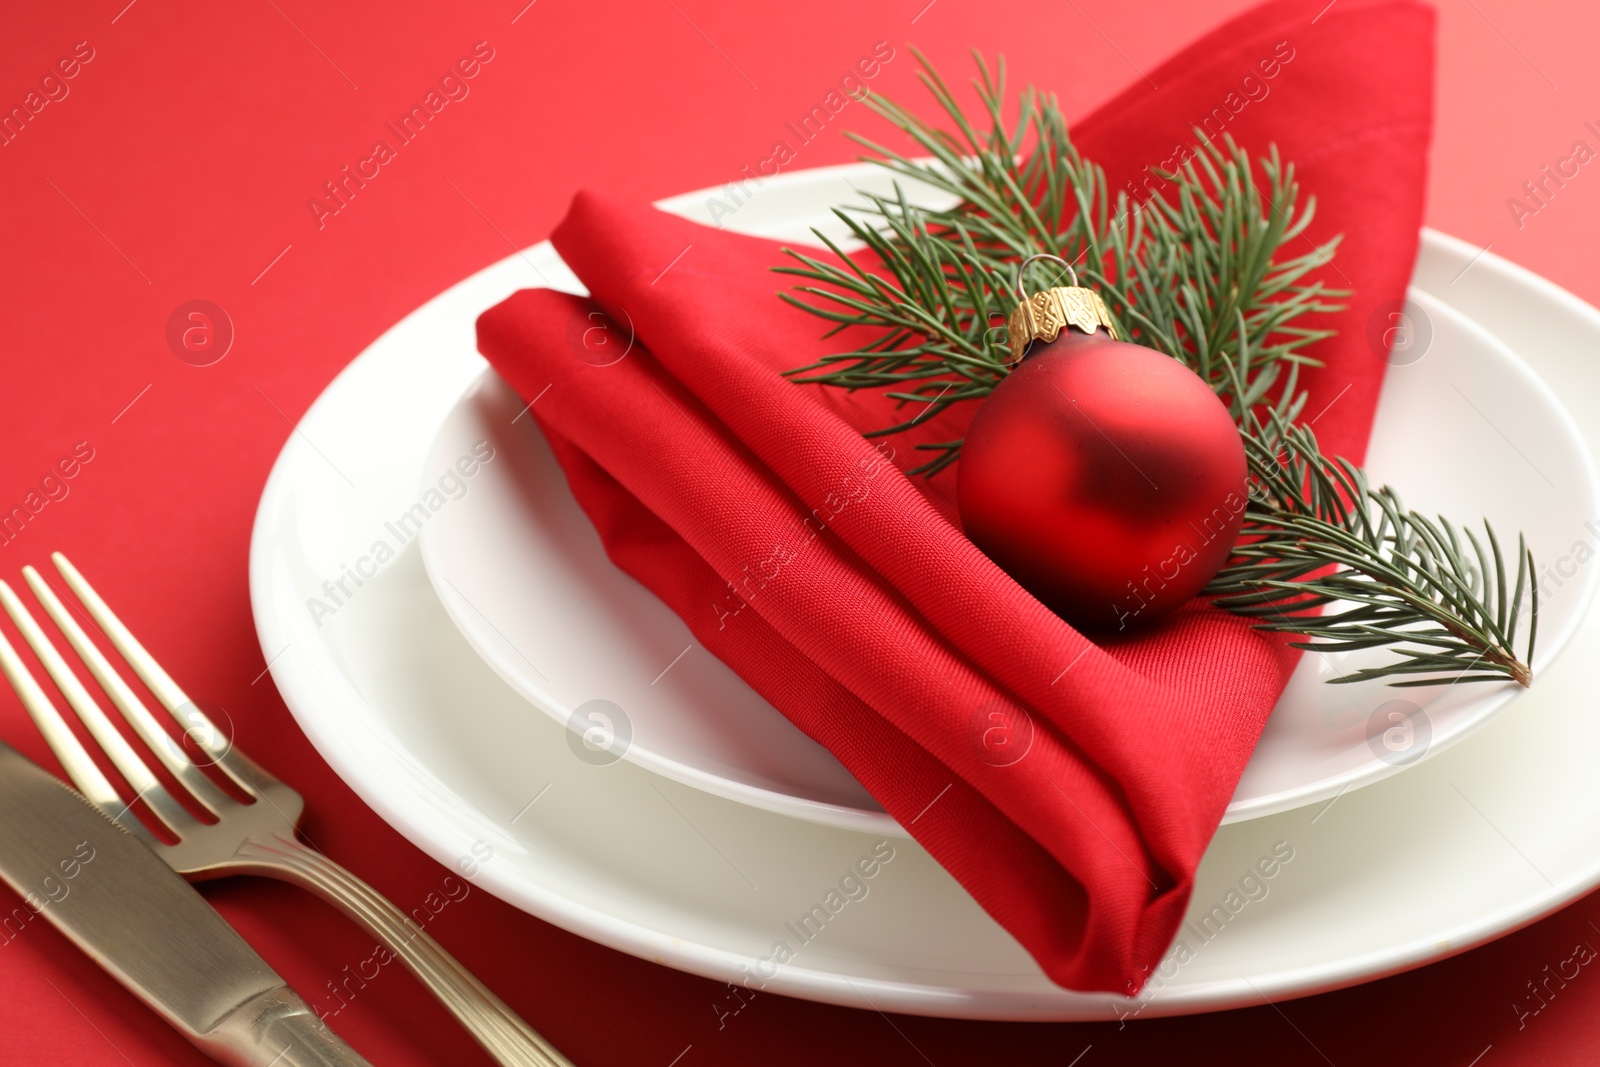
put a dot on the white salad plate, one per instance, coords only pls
(1499, 830)
(1463, 428)
(524, 575)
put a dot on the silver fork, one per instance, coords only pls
(256, 838)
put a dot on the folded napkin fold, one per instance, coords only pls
(845, 593)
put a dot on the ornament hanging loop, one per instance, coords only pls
(1022, 270)
(1042, 316)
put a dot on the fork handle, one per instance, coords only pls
(500, 1031)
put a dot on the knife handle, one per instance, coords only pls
(501, 1031)
(277, 1029)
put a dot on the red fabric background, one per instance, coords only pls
(179, 167)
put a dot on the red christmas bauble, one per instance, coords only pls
(1107, 478)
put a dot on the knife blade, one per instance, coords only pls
(141, 922)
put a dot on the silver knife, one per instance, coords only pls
(147, 927)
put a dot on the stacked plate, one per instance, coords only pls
(445, 625)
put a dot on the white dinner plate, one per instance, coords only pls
(1463, 429)
(1498, 831)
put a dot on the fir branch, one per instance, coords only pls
(1202, 270)
(1317, 536)
(1197, 272)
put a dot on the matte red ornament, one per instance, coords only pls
(1107, 478)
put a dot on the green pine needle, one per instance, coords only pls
(1349, 567)
(1210, 270)
(1174, 271)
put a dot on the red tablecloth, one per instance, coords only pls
(179, 162)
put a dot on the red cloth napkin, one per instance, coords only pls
(845, 593)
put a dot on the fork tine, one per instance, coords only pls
(133, 709)
(123, 757)
(69, 751)
(249, 775)
(144, 664)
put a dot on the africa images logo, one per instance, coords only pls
(453, 87)
(450, 486)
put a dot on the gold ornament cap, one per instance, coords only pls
(1042, 316)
